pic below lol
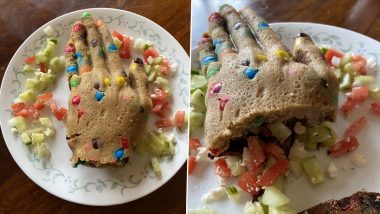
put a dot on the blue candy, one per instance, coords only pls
(112, 48)
(119, 153)
(78, 55)
(217, 42)
(72, 69)
(207, 59)
(263, 25)
(99, 95)
(251, 72)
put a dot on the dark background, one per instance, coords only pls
(18, 19)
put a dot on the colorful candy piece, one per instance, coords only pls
(120, 81)
(78, 27)
(217, 42)
(246, 62)
(262, 25)
(237, 26)
(119, 153)
(99, 95)
(283, 54)
(94, 43)
(112, 48)
(85, 68)
(215, 88)
(86, 15)
(80, 113)
(250, 73)
(99, 23)
(69, 48)
(75, 100)
(215, 17)
(71, 69)
(207, 59)
(213, 70)
(95, 144)
(261, 57)
(223, 102)
(125, 143)
(78, 55)
(107, 81)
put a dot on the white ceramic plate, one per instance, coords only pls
(87, 185)
(350, 178)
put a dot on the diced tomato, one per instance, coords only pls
(125, 48)
(343, 147)
(191, 164)
(194, 144)
(45, 97)
(60, 114)
(273, 172)
(33, 112)
(165, 62)
(256, 152)
(221, 168)
(52, 105)
(214, 152)
(164, 123)
(273, 150)
(38, 105)
(43, 67)
(376, 107)
(118, 35)
(348, 106)
(150, 52)
(355, 127)
(164, 70)
(266, 131)
(179, 118)
(359, 94)
(248, 183)
(359, 64)
(331, 53)
(23, 113)
(30, 60)
(16, 107)
(161, 109)
(159, 95)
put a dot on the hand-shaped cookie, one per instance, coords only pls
(108, 108)
(254, 77)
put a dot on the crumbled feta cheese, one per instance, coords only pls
(48, 132)
(214, 194)
(14, 130)
(332, 171)
(173, 68)
(202, 154)
(371, 65)
(335, 61)
(299, 128)
(49, 31)
(234, 163)
(298, 151)
(222, 181)
(150, 60)
(359, 160)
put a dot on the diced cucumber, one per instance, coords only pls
(152, 76)
(47, 52)
(324, 50)
(32, 84)
(197, 101)
(345, 59)
(139, 45)
(147, 68)
(57, 65)
(317, 134)
(196, 119)
(40, 57)
(286, 209)
(256, 122)
(297, 151)
(328, 143)
(279, 183)
(162, 83)
(155, 143)
(117, 42)
(48, 78)
(157, 61)
(155, 166)
(25, 138)
(253, 208)
(338, 73)
(42, 150)
(234, 164)
(264, 206)
(348, 68)
(280, 131)
(346, 82)
(296, 167)
(28, 69)
(313, 170)
(203, 210)
(374, 91)
(233, 193)
(48, 132)
(198, 82)
(38, 138)
(146, 46)
(274, 197)
(27, 95)
(19, 123)
(363, 80)
(49, 30)
(45, 121)
(168, 149)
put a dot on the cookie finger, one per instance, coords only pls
(241, 35)
(206, 52)
(81, 54)
(267, 38)
(306, 52)
(139, 82)
(71, 65)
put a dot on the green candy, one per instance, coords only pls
(223, 6)
(74, 83)
(86, 15)
(212, 71)
(257, 122)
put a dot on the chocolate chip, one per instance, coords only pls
(142, 110)
(324, 83)
(95, 144)
(94, 42)
(139, 61)
(246, 62)
(303, 35)
(96, 86)
(237, 25)
(124, 74)
(125, 160)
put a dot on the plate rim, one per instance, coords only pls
(3, 122)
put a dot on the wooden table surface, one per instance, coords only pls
(18, 19)
(362, 16)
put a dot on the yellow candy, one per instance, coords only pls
(261, 57)
(107, 81)
(282, 54)
(120, 81)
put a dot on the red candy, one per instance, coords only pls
(223, 102)
(215, 17)
(77, 27)
(75, 100)
(204, 40)
(80, 113)
(69, 48)
(125, 143)
(214, 89)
